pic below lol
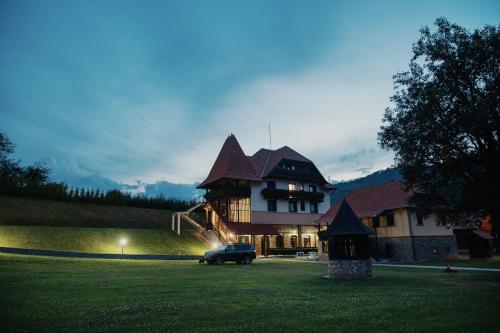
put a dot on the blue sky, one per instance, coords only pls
(149, 90)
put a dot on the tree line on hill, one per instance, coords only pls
(32, 181)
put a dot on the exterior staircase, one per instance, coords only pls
(211, 236)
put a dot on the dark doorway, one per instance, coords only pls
(264, 245)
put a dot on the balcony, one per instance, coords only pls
(277, 194)
(228, 192)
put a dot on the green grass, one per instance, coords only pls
(101, 240)
(38, 212)
(75, 295)
(464, 261)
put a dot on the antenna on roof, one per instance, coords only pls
(270, 136)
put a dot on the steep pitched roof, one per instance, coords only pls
(345, 222)
(265, 160)
(230, 163)
(282, 153)
(373, 200)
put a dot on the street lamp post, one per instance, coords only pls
(123, 242)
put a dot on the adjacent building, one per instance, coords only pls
(272, 199)
(400, 234)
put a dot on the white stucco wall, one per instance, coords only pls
(259, 204)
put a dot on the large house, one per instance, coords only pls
(272, 199)
(400, 234)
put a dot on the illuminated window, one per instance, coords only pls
(324, 247)
(239, 209)
(307, 241)
(291, 187)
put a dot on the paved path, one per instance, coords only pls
(459, 268)
(68, 254)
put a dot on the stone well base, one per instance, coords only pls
(349, 269)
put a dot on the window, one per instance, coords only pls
(302, 205)
(243, 239)
(375, 222)
(239, 209)
(307, 241)
(291, 187)
(313, 207)
(390, 220)
(293, 241)
(292, 206)
(280, 242)
(271, 205)
(420, 220)
(313, 188)
(271, 185)
(302, 186)
(324, 247)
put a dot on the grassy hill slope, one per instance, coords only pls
(69, 226)
(101, 240)
(26, 211)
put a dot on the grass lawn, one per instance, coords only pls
(464, 261)
(101, 240)
(73, 295)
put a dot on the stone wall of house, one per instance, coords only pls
(435, 247)
(348, 269)
(393, 248)
(401, 249)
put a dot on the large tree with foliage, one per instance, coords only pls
(444, 122)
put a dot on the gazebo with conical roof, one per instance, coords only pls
(348, 245)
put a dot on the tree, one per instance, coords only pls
(444, 122)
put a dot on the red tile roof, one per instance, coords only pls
(372, 200)
(265, 160)
(251, 229)
(230, 163)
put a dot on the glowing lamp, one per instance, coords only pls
(123, 242)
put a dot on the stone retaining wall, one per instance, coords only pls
(349, 269)
(401, 249)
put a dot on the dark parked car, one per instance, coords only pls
(241, 253)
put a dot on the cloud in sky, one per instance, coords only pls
(150, 91)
